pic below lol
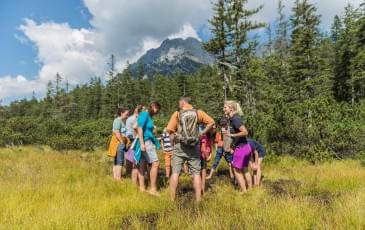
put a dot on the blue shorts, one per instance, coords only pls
(119, 158)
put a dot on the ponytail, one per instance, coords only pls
(235, 106)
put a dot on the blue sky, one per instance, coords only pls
(17, 58)
(39, 38)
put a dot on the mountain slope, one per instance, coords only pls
(183, 55)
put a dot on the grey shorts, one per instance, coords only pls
(150, 155)
(182, 153)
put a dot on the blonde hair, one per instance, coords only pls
(235, 106)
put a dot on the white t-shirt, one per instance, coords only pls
(129, 124)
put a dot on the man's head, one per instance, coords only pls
(184, 100)
(155, 107)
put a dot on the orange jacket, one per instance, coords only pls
(113, 145)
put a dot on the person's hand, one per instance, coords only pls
(143, 147)
(254, 166)
(232, 151)
(226, 133)
(209, 156)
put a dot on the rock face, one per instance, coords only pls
(175, 55)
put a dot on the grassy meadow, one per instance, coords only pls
(44, 189)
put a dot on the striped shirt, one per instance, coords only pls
(166, 142)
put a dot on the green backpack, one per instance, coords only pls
(188, 129)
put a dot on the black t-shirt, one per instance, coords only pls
(235, 123)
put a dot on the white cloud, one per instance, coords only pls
(19, 85)
(61, 49)
(186, 31)
(21, 39)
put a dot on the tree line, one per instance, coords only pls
(302, 91)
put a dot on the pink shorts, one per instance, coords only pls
(241, 156)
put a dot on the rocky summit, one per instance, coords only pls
(173, 55)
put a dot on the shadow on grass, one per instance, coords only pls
(149, 220)
(294, 189)
(283, 187)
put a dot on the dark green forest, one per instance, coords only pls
(302, 92)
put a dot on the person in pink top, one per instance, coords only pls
(205, 154)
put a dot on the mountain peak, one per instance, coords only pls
(184, 55)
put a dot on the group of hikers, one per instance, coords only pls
(187, 145)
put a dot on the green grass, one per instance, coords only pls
(44, 189)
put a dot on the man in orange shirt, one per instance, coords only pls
(185, 136)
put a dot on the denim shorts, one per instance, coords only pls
(219, 154)
(119, 158)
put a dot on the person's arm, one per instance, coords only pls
(172, 136)
(243, 132)
(204, 149)
(119, 137)
(256, 158)
(141, 140)
(142, 118)
(207, 120)
(161, 141)
(172, 127)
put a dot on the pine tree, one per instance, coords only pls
(281, 43)
(339, 83)
(307, 77)
(240, 25)
(357, 68)
(220, 43)
(345, 53)
(48, 104)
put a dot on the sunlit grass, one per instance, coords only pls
(44, 189)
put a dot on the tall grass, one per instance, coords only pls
(44, 189)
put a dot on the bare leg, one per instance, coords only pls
(258, 172)
(167, 163)
(239, 177)
(167, 172)
(230, 171)
(114, 172)
(117, 172)
(153, 177)
(255, 177)
(248, 177)
(174, 180)
(210, 173)
(134, 175)
(204, 175)
(141, 173)
(197, 186)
